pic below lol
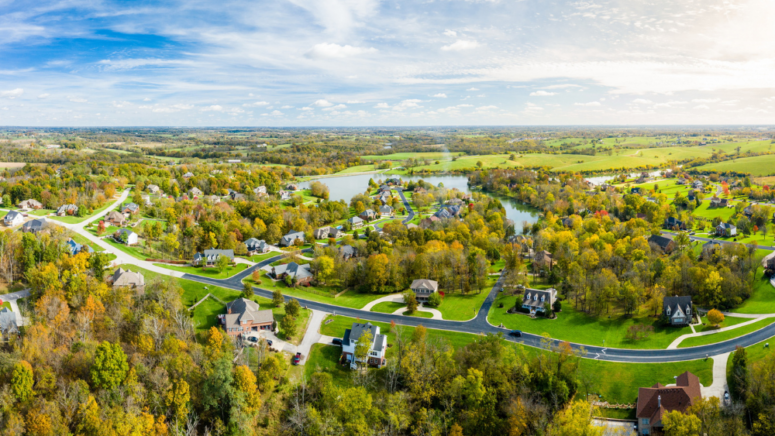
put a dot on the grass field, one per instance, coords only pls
(261, 257)
(615, 382)
(705, 211)
(729, 321)
(756, 165)
(432, 155)
(358, 169)
(762, 299)
(727, 335)
(322, 294)
(212, 273)
(390, 307)
(6, 305)
(575, 326)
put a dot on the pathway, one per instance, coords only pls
(677, 341)
(312, 335)
(392, 298)
(436, 313)
(719, 385)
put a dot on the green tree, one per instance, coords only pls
(22, 381)
(363, 345)
(293, 308)
(110, 366)
(98, 262)
(411, 301)
(434, 300)
(676, 423)
(247, 290)
(288, 325)
(277, 298)
(222, 263)
(377, 271)
(324, 268)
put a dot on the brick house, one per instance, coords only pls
(656, 401)
(243, 316)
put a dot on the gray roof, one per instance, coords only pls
(213, 254)
(35, 225)
(8, 321)
(528, 298)
(67, 207)
(674, 302)
(378, 340)
(243, 309)
(12, 215)
(352, 335)
(385, 209)
(294, 270)
(425, 284)
(122, 277)
(131, 206)
(355, 220)
(661, 241)
(347, 250)
(291, 236)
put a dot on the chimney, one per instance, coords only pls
(659, 401)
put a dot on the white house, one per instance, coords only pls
(535, 299)
(126, 237)
(13, 219)
(376, 355)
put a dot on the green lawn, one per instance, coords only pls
(724, 336)
(461, 307)
(212, 273)
(390, 307)
(6, 305)
(76, 220)
(617, 382)
(321, 294)
(762, 299)
(755, 165)
(261, 257)
(575, 326)
(137, 251)
(41, 212)
(325, 358)
(705, 211)
(358, 169)
(728, 322)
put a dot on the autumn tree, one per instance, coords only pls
(715, 317)
(411, 301)
(22, 381)
(110, 366)
(277, 298)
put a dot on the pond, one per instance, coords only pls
(346, 187)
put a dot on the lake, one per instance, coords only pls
(346, 187)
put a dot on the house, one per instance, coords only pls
(681, 181)
(355, 222)
(195, 192)
(125, 236)
(635, 191)
(386, 211)
(284, 195)
(715, 202)
(153, 189)
(567, 222)
(423, 289)
(697, 185)
(691, 197)
(13, 219)
(678, 310)
(129, 279)
(543, 261)
(656, 401)
(35, 226)
(300, 274)
(726, 230)
(260, 191)
(442, 213)
(256, 246)
(673, 223)
(377, 350)
(428, 222)
(724, 202)
(8, 324)
(130, 209)
(76, 248)
(384, 197)
(188, 175)
(30, 204)
(710, 248)
(236, 196)
(243, 316)
(665, 243)
(211, 256)
(322, 232)
(292, 187)
(67, 209)
(368, 215)
(116, 218)
(347, 252)
(393, 181)
(384, 188)
(290, 238)
(411, 226)
(535, 300)
(748, 211)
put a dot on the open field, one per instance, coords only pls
(12, 164)
(762, 299)
(755, 165)
(432, 155)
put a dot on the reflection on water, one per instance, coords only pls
(346, 187)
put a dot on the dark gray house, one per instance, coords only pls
(678, 310)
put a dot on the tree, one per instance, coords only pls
(110, 366)
(277, 298)
(170, 244)
(22, 381)
(98, 262)
(411, 301)
(576, 420)
(739, 382)
(363, 345)
(288, 325)
(377, 271)
(177, 398)
(715, 317)
(293, 308)
(256, 276)
(222, 263)
(676, 423)
(434, 300)
(247, 290)
(324, 268)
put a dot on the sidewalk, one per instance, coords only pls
(679, 339)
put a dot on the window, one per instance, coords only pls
(644, 421)
(688, 310)
(668, 310)
(535, 297)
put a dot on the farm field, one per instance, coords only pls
(755, 165)
(404, 156)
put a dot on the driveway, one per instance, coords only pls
(11, 299)
(312, 335)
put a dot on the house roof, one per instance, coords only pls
(246, 310)
(528, 298)
(131, 206)
(425, 284)
(67, 207)
(122, 277)
(214, 254)
(13, 215)
(726, 226)
(662, 241)
(8, 321)
(292, 236)
(355, 220)
(385, 209)
(115, 215)
(657, 400)
(294, 270)
(357, 330)
(36, 224)
(676, 303)
(347, 250)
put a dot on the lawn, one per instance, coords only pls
(6, 305)
(321, 294)
(212, 273)
(728, 322)
(705, 211)
(724, 336)
(616, 383)
(261, 257)
(137, 251)
(76, 219)
(762, 299)
(461, 307)
(358, 169)
(431, 155)
(390, 307)
(575, 326)
(754, 165)
(325, 358)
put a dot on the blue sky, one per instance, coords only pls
(381, 63)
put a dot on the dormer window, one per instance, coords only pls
(528, 295)
(688, 310)
(668, 310)
(535, 297)
(542, 298)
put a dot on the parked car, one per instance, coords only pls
(252, 339)
(337, 341)
(516, 333)
(296, 359)
(269, 342)
(726, 395)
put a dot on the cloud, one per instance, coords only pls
(182, 106)
(337, 107)
(307, 109)
(486, 108)
(128, 64)
(472, 89)
(287, 106)
(42, 96)
(706, 100)
(213, 108)
(275, 113)
(256, 104)
(642, 101)
(407, 104)
(465, 105)
(701, 106)
(336, 51)
(355, 102)
(78, 100)
(542, 94)
(591, 103)
(382, 106)
(121, 104)
(322, 103)
(670, 104)
(461, 45)
(450, 33)
(12, 94)
(440, 95)
(562, 86)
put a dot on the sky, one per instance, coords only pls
(386, 63)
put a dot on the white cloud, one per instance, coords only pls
(42, 96)
(450, 33)
(12, 94)
(121, 104)
(381, 106)
(276, 113)
(670, 104)
(336, 51)
(461, 45)
(465, 105)
(214, 108)
(306, 109)
(472, 89)
(322, 103)
(706, 100)
(701, 106)
(440, 95)
(591, 103)
(542, 94)
(287, 107)
(146, 99)
(407, 104)
(128, 64)
(641, 101)
(562, 86)
(182, 106)
(256, 104)
(486, 108)
(334, 108)
(78, 100)
(355, 102)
